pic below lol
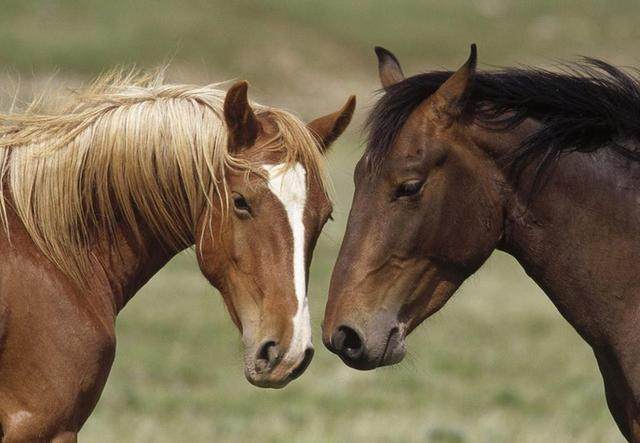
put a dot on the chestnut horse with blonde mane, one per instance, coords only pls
(97, 195)
(544, 165)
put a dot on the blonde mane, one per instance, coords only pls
(128, 149)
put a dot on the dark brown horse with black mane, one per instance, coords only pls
(540, 164)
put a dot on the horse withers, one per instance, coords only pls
(99, 194)
(543, 165)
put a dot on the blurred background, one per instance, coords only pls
(497, 364)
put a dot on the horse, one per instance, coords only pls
(101, 190)
(542, 164)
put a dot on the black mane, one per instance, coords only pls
(583, 107)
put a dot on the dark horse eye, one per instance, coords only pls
(409, 188)
(240, 203)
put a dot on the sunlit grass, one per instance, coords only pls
(276, 38)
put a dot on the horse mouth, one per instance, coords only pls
(303, 365)
(394, 348)
(281, 375)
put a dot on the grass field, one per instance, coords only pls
(498, 364)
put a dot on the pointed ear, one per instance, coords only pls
(242, 124)
(389, 68)
(451, 98)
(330, 127)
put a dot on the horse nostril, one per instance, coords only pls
(267, 356)
(348, 343)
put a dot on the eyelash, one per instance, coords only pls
(409, 188)
(241, 204)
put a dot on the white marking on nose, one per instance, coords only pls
(289, 184)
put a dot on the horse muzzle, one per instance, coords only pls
(269, 366)
(379, 347)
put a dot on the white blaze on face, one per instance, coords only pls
(289, 185)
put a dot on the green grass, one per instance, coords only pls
(272, 39)
(498, 364)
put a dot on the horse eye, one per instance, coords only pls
(240, 203)
(409, 188)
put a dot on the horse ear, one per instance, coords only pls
(331, 126)
(242, 124)
(389, 68)
(451, 97)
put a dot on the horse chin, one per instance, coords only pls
(266, 381)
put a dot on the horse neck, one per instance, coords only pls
(128, 262)
(577, 235)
